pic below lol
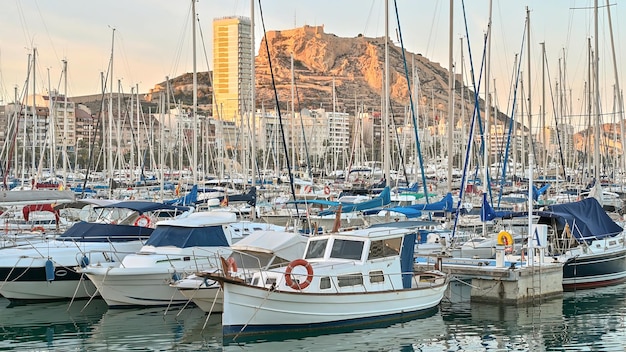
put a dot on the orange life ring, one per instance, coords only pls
(38, 228)
(308, 189)
(143, 221)
(326, 190)
(309, 274)
(232, 264)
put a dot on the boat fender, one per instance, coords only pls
(505, 238)
(326, 190)
(84, 261)
(175, 277)
(289, 281)
(49, 270)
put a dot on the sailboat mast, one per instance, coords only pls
(195, 96)
(34, 137)
(620, 102)
(253, 103)
(386, 145)
(486, 133)
(110, 148)
(531, 157)
(450, 95)
(596, 140)
(65, 124)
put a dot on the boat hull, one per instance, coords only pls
(251, 310)
(595, 270)
(124, 287)
(209, 300)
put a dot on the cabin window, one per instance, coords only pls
(377, 276)
(316, 249)
(384, 248)
(324, 283)
(350, 280)
(347, 249)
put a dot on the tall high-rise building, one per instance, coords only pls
(232, 72)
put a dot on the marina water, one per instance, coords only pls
(586, 320)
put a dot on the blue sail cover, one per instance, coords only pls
(384, 198)
(586, 219)
(188, 199)
(445, 204)
(488, 213)
(249, 197)
(540, 191)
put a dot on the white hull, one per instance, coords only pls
(121, 287)
(264, 310)
(44, 290)
(25, 277)
(210, 300)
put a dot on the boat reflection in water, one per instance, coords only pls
(38, 326)
(589, 320)
(156, 328)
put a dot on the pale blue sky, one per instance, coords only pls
(153, 37)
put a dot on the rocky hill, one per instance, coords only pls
(354, 64)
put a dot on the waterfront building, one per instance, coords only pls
(232, 67)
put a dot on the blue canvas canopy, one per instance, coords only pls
(183, 237)
(586, 219)
(144, 206)
(445, 204)
(96, 232)
(383, 198)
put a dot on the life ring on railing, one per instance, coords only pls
(308, 189)
(38, 229)
(295, 284)
(232, 264)
(143, 221)
(505, 238)
(326, 190)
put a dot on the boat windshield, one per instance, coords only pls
(183, 237)
(347, 249)
(316, 249)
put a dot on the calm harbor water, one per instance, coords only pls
(590, 320)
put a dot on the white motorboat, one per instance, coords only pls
(176, 249)
(260, 249)
(345, 279)
(46, 270)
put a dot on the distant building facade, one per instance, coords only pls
(232, 68)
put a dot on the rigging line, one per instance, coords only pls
(97, 136)
(306, 147)
(556, 122)
(408, 80)
(512, 117)
(181, 40)
(475, 114)
(280, 118)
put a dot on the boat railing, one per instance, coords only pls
(355, 281)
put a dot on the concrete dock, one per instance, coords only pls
(512, 281)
